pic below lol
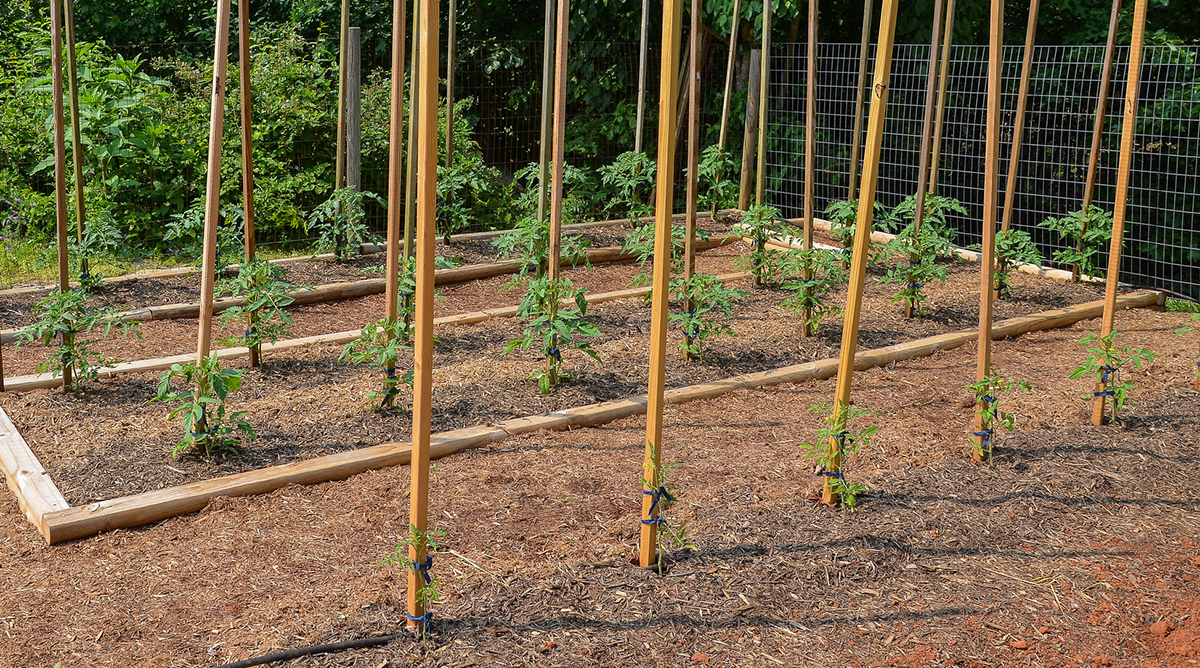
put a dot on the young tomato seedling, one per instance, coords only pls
(428, 592)
(654, 485)
(1104, 363)
(831, 461)
(1013, 247)
(1085, 233)
(708, 297)
(206, 424)
(810, 295)
(988, 393)
(64, 321)
(266, 297)
(552, 326)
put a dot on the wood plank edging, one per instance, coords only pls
(35, 491)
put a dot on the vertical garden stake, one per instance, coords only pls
(926, 134)
(247, 149)
(560, 132)
(450, 53)
(860, 100)
(727, 98)
(339, 180)
(663, 242)
(751, 130)
(764, 102)
(810, 149)
(873, 145)
(641, 96)
(60, 163)
(423, 340)
(1014, 160)
(1089, 186)
(395, 167)
(76, 140)
(943, 87)
(991, 186)
(693, 168)
(414, 107)
(544, 148)
(1121, 196)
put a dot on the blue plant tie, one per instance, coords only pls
(694, 329)
(84, 276)
(658, 494)
(390, 390)
(1108, 371)
(422, 568)
(841, 438)
(203, 422)
(915, 286)
(987, 434)
(425, 618)
(553, 352)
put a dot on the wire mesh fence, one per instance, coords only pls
(1162, 232)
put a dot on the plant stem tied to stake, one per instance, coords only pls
(1121, 196)
(862, 239)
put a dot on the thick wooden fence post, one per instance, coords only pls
(663, 242)
(751, 130)
(764, 104)
(991, 185)
(76, 140)
(810, 149)
(726, 99)
(859, 102)
(354, 109)
(693, 157)
(395, 168)
(862, 241)
(926, 133)
(943, 86)
(1089, 186)
(212, 192)
(560, 131)
(245, 100)
(1014, 161)
(544, 147)
(641, 95)
(427, 126)
(60, 163)
(1121, 196)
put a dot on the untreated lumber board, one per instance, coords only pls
(148, 507)
(35, 491)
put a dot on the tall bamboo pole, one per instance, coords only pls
(763, 103)
(727, 98)
(1089, 186)
(663, 242)
(810, 149)
(693, 168)
(212, 192)
(560, 131)
(544, 148)
(1121, 196)
(343, 65)
(395, 167)
(60, 163)
(414, 109)
(426, 221)
(860, 101)
(641, 97)
(76, 140)
(450, 53)
(991, 186)
(247, 149)
(1014, 161)
(862, 242)
(926, 132)
(943, 85)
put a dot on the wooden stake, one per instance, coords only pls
(663, 242)
(860, 101)
(1014, 161)
(641, 96)
(862, 236)
(991, 186)
(395, 166)
(926, 132)
(427, 126)
(751, 130)
(544, 147)
(76, 140)
(354, 109)
(414, 108)
(244, 91)
(212, 194)
(729, 74)
(693, 169)
(339, 180)
(560, 132)
(943, 85)
(810, 149)
(1089, 186)
(450, 53)
(1121, 196)
(60, 164)
(763, 104)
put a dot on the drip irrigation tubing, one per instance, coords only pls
(328, 648)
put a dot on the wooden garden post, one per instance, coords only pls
(693, 147)
(450, 53)
(212, 192)
(991, 185)
(427, 126)
(395, 167)
(60, 163)
(725, 101)
(763, 103)
(860, 100)
(414, 108)
(926, 133)
(751, 130)
(560, 132)
(873, 145)
(544, 148)
(663, 242)
(354, 109)
(810, 149)
(943, 85)
(641, 96)
(1089, 186)
(1014, 161)
(1121, 197)
(244, 91)
(343, 65)
(76, 140)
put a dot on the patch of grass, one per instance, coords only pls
(1182, 306)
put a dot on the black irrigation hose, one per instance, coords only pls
(315, 649)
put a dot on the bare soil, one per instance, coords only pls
(1078, 547)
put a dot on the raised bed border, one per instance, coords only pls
(37, 494)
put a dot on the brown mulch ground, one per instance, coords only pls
(1077, 548)
(110, 442)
